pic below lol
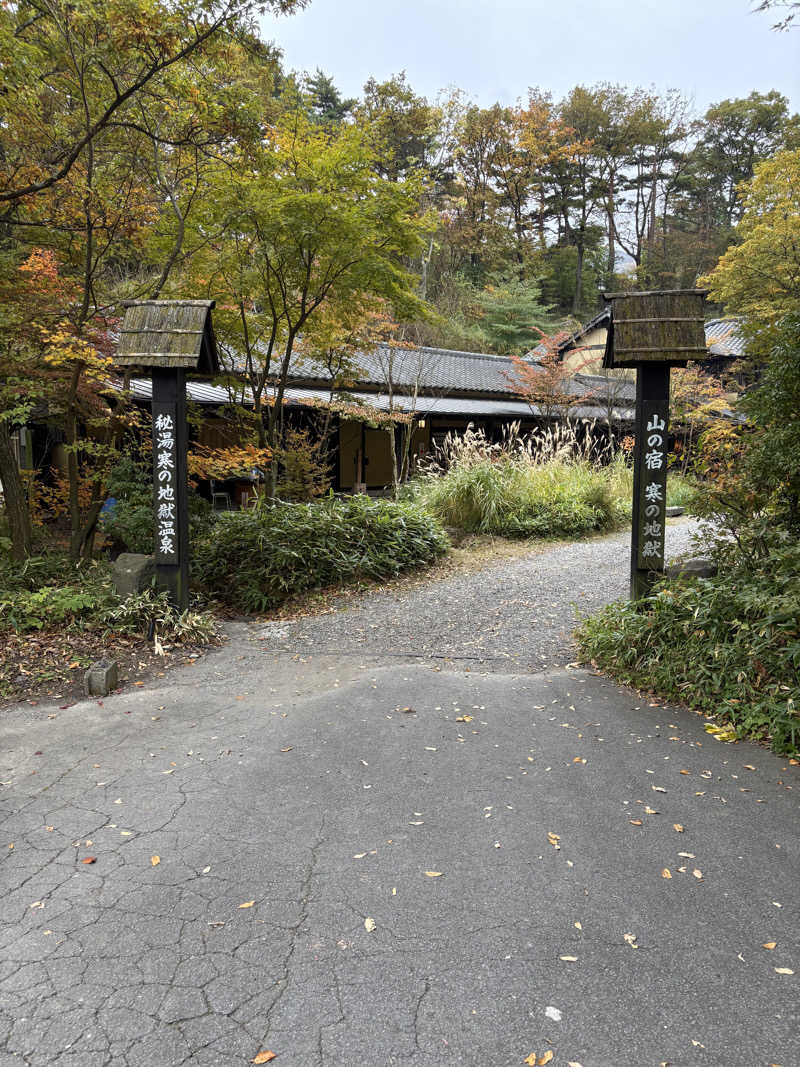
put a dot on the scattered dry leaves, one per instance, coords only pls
(264, 1057)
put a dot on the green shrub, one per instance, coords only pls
(681, 491)
(729, 645)
(254, 559)
(137, 614)
(513, 497)
(48, 591)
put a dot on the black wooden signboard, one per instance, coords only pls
(171, 337)
(652, 332)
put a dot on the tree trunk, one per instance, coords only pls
(576, 302)
(16, 503)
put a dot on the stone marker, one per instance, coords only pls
(101, 678)
(132, 573)
(692, 568)
(674, 511)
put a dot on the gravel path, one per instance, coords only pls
(510, 616)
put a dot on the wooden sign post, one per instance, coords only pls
(652, 332)
(170, 337)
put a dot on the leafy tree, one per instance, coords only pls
(324, 101)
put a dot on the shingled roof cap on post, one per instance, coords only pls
(168, 333)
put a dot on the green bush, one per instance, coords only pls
(514, 497)
(137, 614)
(48, 591)
(681, 491)
(254, 559)
(729, 645)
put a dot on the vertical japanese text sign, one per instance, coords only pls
(651, 502)
(165, 464)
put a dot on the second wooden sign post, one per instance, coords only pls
(652, 332)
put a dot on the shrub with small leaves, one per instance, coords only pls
(253, 560)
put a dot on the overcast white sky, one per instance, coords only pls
(496, 49)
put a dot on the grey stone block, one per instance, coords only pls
(101, 678)
(692, 568)
(132, 572)
(674, 511)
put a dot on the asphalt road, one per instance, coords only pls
(350, 851)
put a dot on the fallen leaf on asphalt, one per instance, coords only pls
(651, 811)
(749, 767)
(569, 959)
(155, 860)
(770, 945)
(677, 826)
(554, 840)
(539, 1061)
(434, 874)
(630, 939)
(247, 904)
(666, 873)
(464, 718)
(38, 904)
(206, 870)
(783, 970)
(635, 822)
(697, 1044)
(684, 772)
(686, 855)
(573, 1063)
(721, 733)
(698, 874)
(418, 822)
(429, 748)
(89, 859)
(577, 926)
(287, 749)
(264, 1057)
(369, 924)
(359, 855)
(579, 759)
(658, 788)
(218, 922)
(408, 711)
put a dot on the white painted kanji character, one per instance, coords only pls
(164, 422)
(653, 491)
(654, 460)
(655, 440)
(166, 510)
(656, 423)
(165, 461)
(651, 548)
(166, 492)
(652, 529)
(652, 510)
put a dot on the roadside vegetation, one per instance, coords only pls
(730, 645)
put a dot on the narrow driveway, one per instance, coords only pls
(407, 832)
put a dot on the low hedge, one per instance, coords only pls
(252, 560)
(728, 646)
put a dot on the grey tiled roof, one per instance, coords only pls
(724, 337)
(430, 369)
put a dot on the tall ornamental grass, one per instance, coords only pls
(552, 484)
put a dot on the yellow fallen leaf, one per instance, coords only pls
(749, 767)
(630, 939)
(698, 874)
(554, 841)
(434, 874)
(74, 666)
(578, 926)
(666, 873)
(658, 788)
(651, 811)
(573, 1063)
(783, 970)
(677, 826)
(264, 1057)
(464, 718)
(247, 904)
(359, 855)
(684, 772)
(770, 945)
(635, 822)
(155, 860)
(369, 924)
(530, 1060)
(538, 1061)
(697, 1044)
(569, 959)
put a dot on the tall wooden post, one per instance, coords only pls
(170, 483)
(652, 332)
(649, 477)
